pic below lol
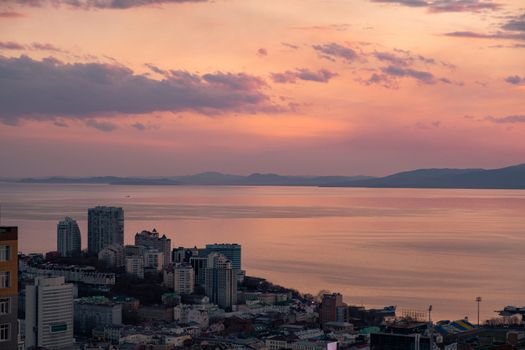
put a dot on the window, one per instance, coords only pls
(5, 332)
(4, 306)
(5, 277)
(5, 252)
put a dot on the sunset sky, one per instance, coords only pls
(305, 87)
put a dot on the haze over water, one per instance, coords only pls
(378, 247)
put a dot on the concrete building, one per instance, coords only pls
(105, 227)
(135, 266)
(199, 265)
(232, 251)
(71, 273)
(159, 313)
(183, 278)
(92, 312)
(68, 238)
(221, 281)
(191, 313)
(153, 241)
(49, 314)
(112, 255)
(329, 306)
(8, 288)
(153, 260)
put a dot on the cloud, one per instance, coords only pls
(10, 45)
(421, 76)
(516, 24)
(332, 51)
(437, 6)
(10, 14)
(511, 119)
(101, 125)
(329, 27)
(290, 46)
(496, 35)
(49, 88)
(139, 126)
(262, 52)
(99, 4)
(45, 47)
(60, 123)
(515, 80)
(514, 29)
(320, 76)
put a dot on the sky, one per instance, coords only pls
(303, 87)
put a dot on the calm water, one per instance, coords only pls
(405, 247)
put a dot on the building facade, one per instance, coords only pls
(232, 251)
(329, 306)
(153, 241)
(92, 312)
(49, 314)
(8, 288)
(68, 238)
(153, 260)
(112, 255)
(221, 281)
(135, 266)
(105, 227)
(183, 278)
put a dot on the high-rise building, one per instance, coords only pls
(68, 238)
(152, 240)
(8, 288)
(183, 278)
(49, 314)
(105, 227)
(221, 281)
(329, 306)
(232, 251)
(199, 264)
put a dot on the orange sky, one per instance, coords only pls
(311, 86)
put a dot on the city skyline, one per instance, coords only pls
(315, 87)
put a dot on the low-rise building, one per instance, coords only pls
(91, 312)
(135, 266)
(112, 255)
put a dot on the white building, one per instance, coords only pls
(183, 278)
(135, 266)
(68, 237)
(49, 314)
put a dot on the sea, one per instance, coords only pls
(410, 248)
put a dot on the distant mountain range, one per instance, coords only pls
(204, 179)
(512, 177)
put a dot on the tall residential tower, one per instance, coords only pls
(68, 238)
(105, 227)
(221, 281)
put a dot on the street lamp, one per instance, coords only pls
(478, 300)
